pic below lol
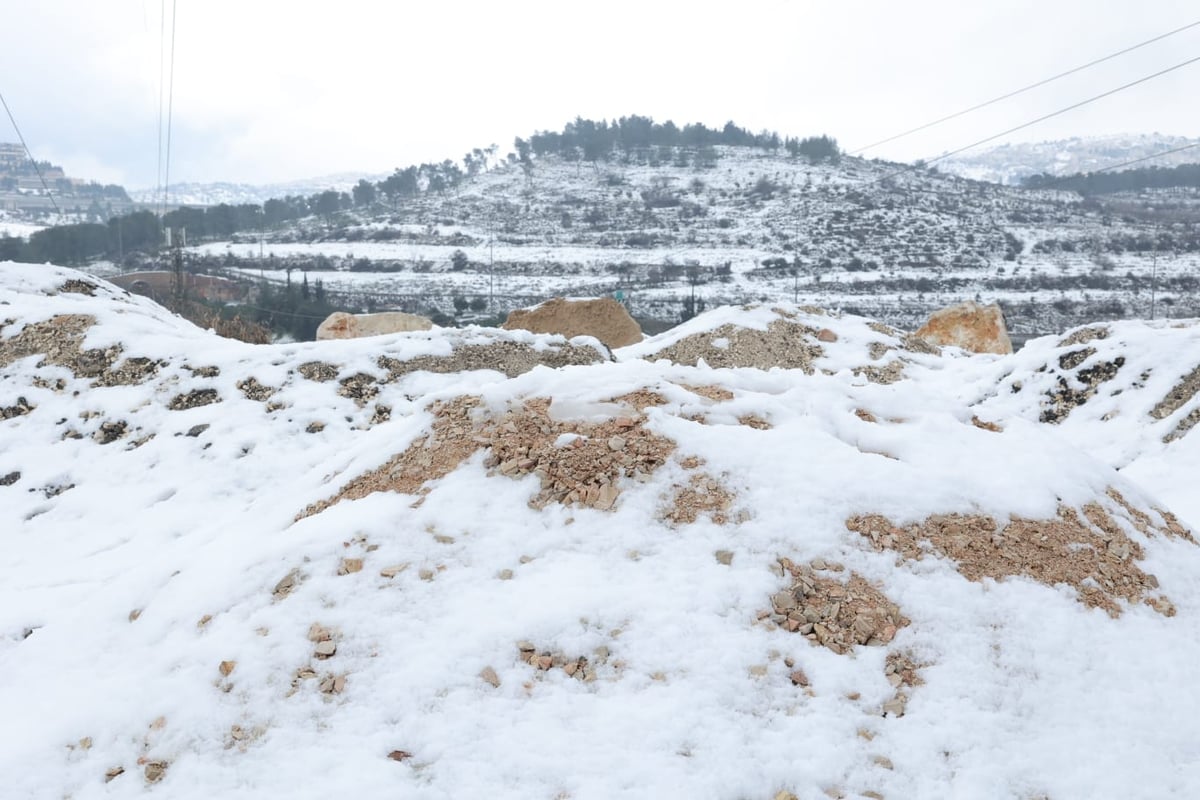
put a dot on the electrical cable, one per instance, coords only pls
(1023, 89)
(33, 160)
(170, 108)
(1043, 118)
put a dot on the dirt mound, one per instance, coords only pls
(785, 343)
(1091, 553)
(510, 357)
(603, 318)
(60, 340)
(577, 463)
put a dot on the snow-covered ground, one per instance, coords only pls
(303, 571)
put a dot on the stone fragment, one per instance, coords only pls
(393, 571)
(340, 325)
(226, 667)
(155, 770)
(113, 772)
(350, 565)
(603, 318)
(968, 325)
(488, 675)
(826, 335)
(399, 755)
(325, 649)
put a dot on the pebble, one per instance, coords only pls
(226, 667)
(488, 675)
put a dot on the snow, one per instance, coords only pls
(1026, 692)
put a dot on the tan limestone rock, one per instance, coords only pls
(340, 325)
(968, 325)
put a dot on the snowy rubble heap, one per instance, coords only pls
(772, 553)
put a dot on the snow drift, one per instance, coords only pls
(465, 563)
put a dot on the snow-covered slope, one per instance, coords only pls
(326, 569)
(211, 194)
(1012, 163)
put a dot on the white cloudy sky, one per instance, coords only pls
(270, 90)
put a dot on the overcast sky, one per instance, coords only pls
(272, 90)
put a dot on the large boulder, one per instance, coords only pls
(969, 325)
(340, 325)
(604, 318)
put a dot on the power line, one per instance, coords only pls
(1024, 89)
(170, 107)
(1042, 118)
(36, 168)
(162, 46)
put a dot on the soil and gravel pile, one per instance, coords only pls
(603, 318)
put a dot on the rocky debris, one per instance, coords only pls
(835, 613)
(1088, 551)
(226, 668)
(195, 431)
(1074, 358)
(382, 414)
(503, 355)
(110, 432)
(393, 570)
(210, 371)
(1084, 335)
(10, 478)
(785, 343)
(194, 399)
(332, 684)
(716, 393)
(17, 409)
(703, 495)
(340, 325)
(314, 427)
(578, 667)
(60, 340)
(1180, 394)
(1185, 425)
(130, 372)
(318, 371)
(754, 421)
(971, 326)
(1064, 398)
(349, 566)
(77, 286)
(359, 387)
(399, 755)
(113, 772)
(253, 390)
(887, 374)
(901, 670)
(603, 318)
(241, 738)
(522, 441)
(489, 676)
(724, 557)
(55, 489)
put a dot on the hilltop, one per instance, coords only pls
(775, 552)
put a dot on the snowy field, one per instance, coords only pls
(306, 571)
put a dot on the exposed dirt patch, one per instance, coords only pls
(987, 426)
(194, 399)
(1074, 358)
(511, 358)
(754, 421)
(359, 387)
(581, 668)
(834, 612)
(1091, 553)
(76, 286)
(576, 462)
(1061, 400)
(1185, 425)
(1085, 335)
(1181, 393)
(111, 431)
(210, 371)
(10, 478)
(253, 390)
(718, 393)
(887, 374)
(786, 344)
(703, 495)
(318, 371)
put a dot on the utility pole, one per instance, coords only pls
(1154, 272)
(178, 284)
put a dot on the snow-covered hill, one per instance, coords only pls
(776, 552)
(1011, 163)
(211, 194)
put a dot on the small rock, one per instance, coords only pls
(826, 335)
(399, 755)
(393, 571)
(325, 649)
(798, 678)
(286, 585)
(616, 443)
(196, 430)
(350, 566)
(113, 772)
(315, 427)
(883, 761)
(543, 662)
(10, 478)
(155, 770)
(724, 557)
(505, 575)
(133, 615)
(488, 675)
(226, 667)
(318, 633)
(895, 706)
